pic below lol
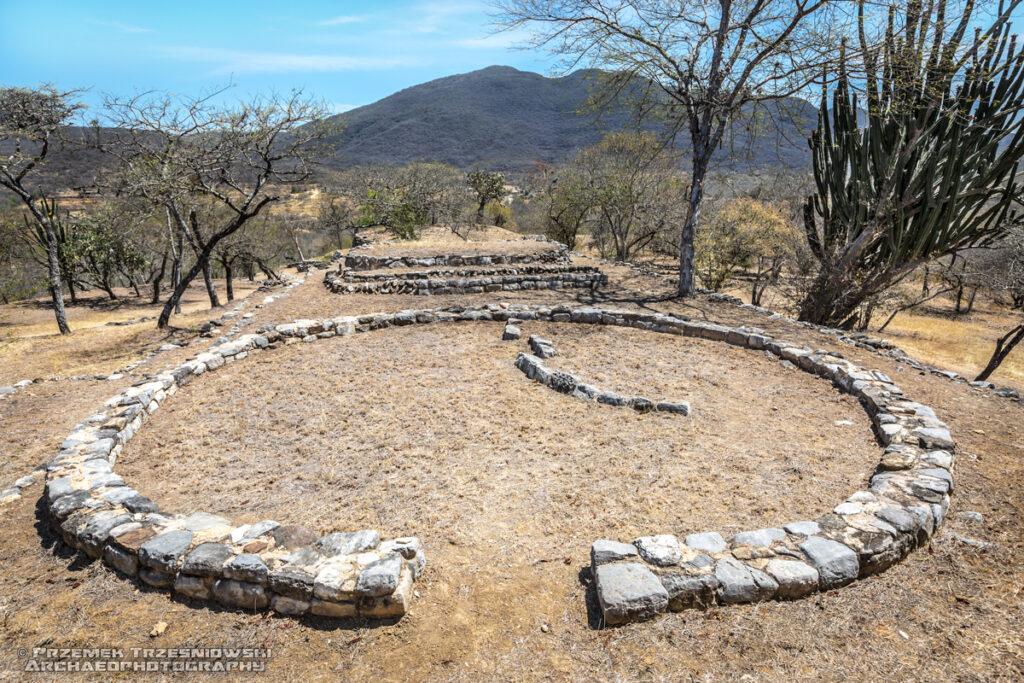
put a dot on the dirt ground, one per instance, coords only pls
(442, 243)
(482, 457)
(31, 347)
(332, 434)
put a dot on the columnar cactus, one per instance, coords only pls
(932, 170)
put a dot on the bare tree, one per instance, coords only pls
(565, 198)
(701, 65)
(338, 216)
(179, 152)
(31, 121)
(1003, 271)
(634, 189)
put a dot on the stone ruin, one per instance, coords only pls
(460, 273)
(290, 570)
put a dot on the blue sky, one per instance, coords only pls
(348, 53)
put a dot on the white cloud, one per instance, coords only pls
(438, 17)
(237, 61)
(127, 28)
(343, 19)
(496, 41)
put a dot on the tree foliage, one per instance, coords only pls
(744, 234)
(634, 191)
(489, 186)
(406, 198)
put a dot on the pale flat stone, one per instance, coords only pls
(380, 577)
(604, 551)
(629, 592)
(837, 564)
(163, 552)
(709, 542)
(740, 583)
(795, 578)
(802, 528)
(759, 538)
(661, 551)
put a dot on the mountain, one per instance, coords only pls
(503, 118)
(496, 118)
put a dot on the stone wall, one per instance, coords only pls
(473, 271)
(466, 285)
(861, 340)
(290, 570)
(360, 261)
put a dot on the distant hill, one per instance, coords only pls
(495, 118)
(503, 118)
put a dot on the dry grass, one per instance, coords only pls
(477, 453)
(949, 611)
(55, 408)
(963, 343)
(30, 346)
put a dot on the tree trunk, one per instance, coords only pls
(177, 251)
(158, 278)
(174, 300)
(970, 300)
(53, 270)
(700, 169)
(295, 241)
(227, 277)
(832, 300)
(865, 317)
(1004, 345)
(267, 270)
(211, 291)
(480, 211)
(176, 278)
(71, 290)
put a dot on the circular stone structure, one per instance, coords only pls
(345, 574)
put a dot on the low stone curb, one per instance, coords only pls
(565, 383)
(461, 273)
(881, 346)
(204, 556)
